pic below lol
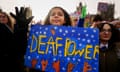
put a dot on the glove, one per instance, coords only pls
(20, 17)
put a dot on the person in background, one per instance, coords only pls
(13, 42)
(5, 19)
(108, 59)
(7, 49)
(96, 20)
(116, 23)
(74, 21)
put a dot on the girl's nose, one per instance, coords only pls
(56, 15)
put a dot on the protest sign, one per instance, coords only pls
(62, 49)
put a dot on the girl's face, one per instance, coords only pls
(105, 33)
(3, 18)
(57, 17)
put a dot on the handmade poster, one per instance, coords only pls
(62, 49)
(102, 6)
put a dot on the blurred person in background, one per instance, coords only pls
(96, 20)
(117, 24)
(74, 21)
(7, 49)
(13, 40)
(6, 19)
(108, 58)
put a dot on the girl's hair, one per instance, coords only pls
(9, 23)
(66, 17)
(115, 33)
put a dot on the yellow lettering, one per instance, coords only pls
(69, 50)
(41, 43)
(96, 50)
(80, 52)
(68, 45)
(74, 46)
(87, 51)
(34, 41)
(51, 41)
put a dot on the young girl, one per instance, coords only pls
(58, 16)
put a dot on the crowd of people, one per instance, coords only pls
(14, 39)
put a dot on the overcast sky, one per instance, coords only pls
(40, 8)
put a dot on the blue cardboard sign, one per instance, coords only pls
(62, 49)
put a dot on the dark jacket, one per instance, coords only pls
(12, 48)
(7, 49)
(108, 60)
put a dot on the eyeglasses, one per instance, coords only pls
(106, 30)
